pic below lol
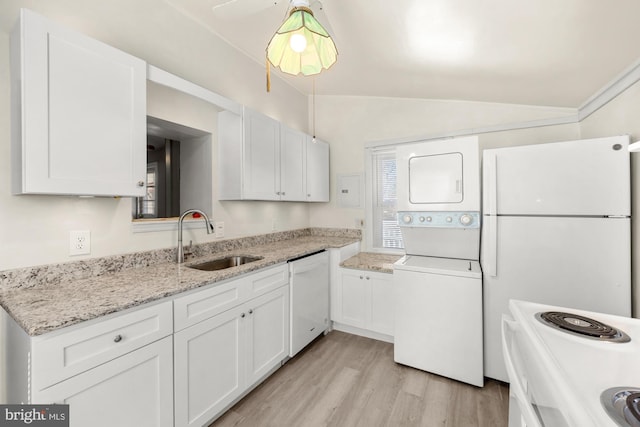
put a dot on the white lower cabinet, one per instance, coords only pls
(113, 371)
(364, 300)
(133, 390)
(220, 358)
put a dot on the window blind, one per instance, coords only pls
(386, 232)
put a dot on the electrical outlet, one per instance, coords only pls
(79, 242)
(219, 228)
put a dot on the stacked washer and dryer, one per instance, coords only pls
(438, 283)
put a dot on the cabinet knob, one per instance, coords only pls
(278, 193)
(140, 183)
(251, 311)
(243, 315)
(117, 338)
(367, 277)
(283, 193)
(361, 277)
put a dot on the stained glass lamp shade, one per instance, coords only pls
(301, 45)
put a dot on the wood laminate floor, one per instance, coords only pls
(345, 380)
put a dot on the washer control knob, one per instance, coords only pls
(407, 219)
(466, 219)
(449, 219)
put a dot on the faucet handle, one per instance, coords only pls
(189, 250)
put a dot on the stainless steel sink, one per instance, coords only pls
(222, 263)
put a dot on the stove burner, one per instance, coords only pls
(583, 326)
(623, 405)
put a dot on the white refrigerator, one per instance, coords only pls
(556, 230)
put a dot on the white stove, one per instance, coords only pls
(560, 377)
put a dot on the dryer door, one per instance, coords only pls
(436, 178)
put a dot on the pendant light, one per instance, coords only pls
(301, 45)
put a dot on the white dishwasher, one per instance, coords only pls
(309, 309)
(438, 316)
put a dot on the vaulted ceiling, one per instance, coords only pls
(535, 52)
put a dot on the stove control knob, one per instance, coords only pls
(466, 219)
(407, 219)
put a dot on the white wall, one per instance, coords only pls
(34, 230)
(620, 117)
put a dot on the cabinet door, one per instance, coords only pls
(134, 390)
(267, 333)
(292, 164)
(355, 296)
(79, 113)
(208, 369)
(261, 157)
(381, 302)
(317, 171)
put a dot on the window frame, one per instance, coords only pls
(371, 156)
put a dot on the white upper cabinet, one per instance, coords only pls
(292, 164)
(79, 113)
(261, 159)
(317, 174)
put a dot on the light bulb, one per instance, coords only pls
(298, 42)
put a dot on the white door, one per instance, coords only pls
(134, 390)
(261, 157)
(209, 373)
(436, 178)
(317, 171)
(83, 114)
(292, 164)
(381, 302)
(355, 297)
(588, 177)
(267, 332)
(582, 263)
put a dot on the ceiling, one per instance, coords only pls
(532, 52)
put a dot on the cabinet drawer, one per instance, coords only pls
(267, 280)
(60, 356)
(203, 304)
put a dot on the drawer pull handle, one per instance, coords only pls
(117, 338)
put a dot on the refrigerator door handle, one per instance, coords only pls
(490, 171)
(490, 252)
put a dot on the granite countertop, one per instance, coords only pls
(371, 261)
(46, 307)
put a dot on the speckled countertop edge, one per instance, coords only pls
(51, 306)
(371, 261)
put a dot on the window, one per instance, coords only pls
(385, 232)
(146, 207)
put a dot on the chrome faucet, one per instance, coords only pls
(180, 256)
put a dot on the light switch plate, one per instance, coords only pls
(219, 229)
